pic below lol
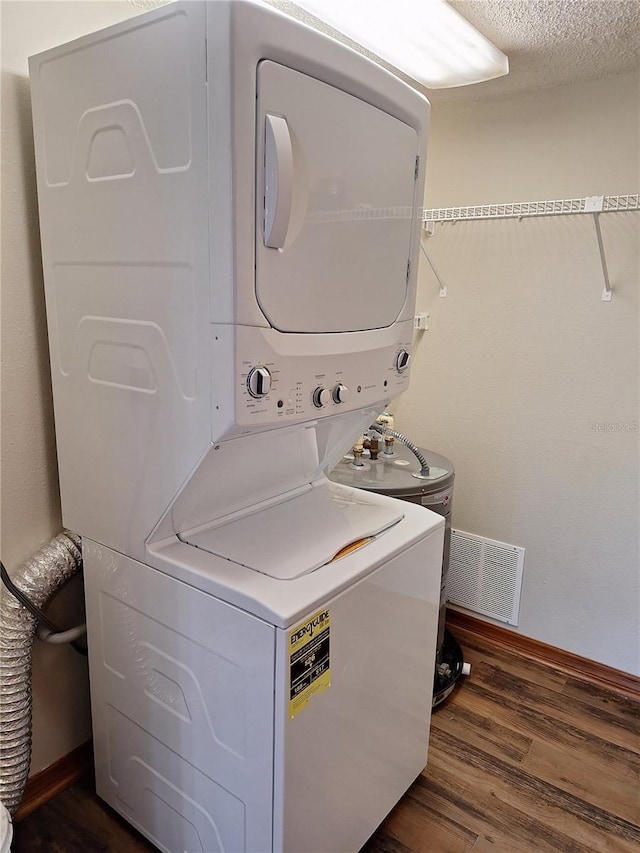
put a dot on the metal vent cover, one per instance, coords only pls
(485, 576)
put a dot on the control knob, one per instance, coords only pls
(321, 397)
(259, 382)
(402, 361)
(340, 393)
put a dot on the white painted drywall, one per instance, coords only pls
(30, 503)
(526, 379)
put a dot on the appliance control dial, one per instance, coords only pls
(321, 397)
(402, 361)
(340, 393)
(259, 382)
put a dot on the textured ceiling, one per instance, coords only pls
(552, 42)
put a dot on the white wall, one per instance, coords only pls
(527, 380)
(30, 503)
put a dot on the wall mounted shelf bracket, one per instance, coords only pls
(429, 230)
(595, 204)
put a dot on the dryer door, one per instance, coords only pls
(335, 204)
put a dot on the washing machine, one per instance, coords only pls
(272, 708)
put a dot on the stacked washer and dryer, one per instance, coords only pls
(230, 207)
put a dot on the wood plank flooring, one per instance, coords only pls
(522, 758)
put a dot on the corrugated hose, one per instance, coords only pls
(36, 580)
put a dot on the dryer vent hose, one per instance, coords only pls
(40, 577)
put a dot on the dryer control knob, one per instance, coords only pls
(340, 393)
(402, 361)
(259, 382)
(321, 397)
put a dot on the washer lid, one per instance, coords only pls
(298, 535)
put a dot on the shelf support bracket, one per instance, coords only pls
(429, 229)
(595, 204)
(606, 293)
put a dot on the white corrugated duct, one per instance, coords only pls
(39, 578)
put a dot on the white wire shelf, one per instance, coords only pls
(520, 209)
(593, 205)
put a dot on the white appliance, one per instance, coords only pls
(230, 206)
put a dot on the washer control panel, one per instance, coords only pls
(281, 380)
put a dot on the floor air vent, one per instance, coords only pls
(485, 576)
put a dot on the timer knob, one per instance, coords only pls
(321, 397)
(340, 393)
(259, 382)
(402, 361)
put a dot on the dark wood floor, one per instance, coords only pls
(522, 758)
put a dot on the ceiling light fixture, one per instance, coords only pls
(425, 39)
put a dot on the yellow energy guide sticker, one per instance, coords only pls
(309, 660)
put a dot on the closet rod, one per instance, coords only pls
(518, 210)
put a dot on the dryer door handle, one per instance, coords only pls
(278, 181)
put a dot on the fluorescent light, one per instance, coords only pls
(425, 39)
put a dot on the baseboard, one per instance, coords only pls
(578, 667)
(54, 778)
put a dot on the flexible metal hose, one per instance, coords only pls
(383, 429)
(40, 577)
